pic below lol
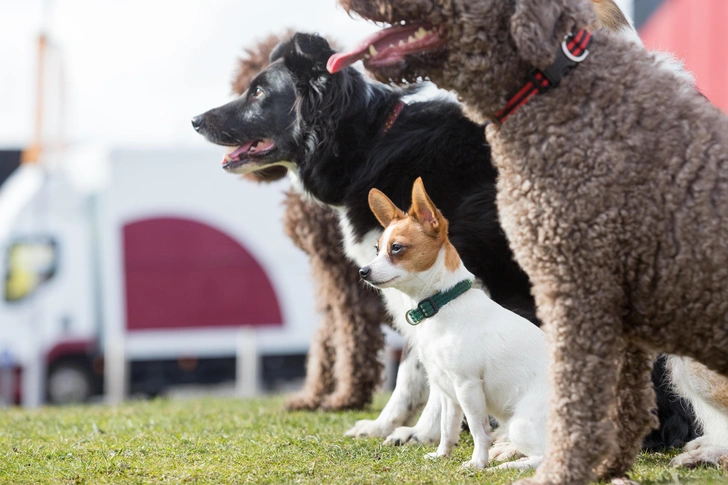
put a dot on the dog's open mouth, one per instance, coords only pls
(238, 156)
(390, 46)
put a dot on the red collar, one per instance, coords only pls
(573, 50)
(392, 116)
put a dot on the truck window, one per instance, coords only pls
(30, 263)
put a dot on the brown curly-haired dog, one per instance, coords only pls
(613, 191)
(343, 367)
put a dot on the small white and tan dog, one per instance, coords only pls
(482, 358)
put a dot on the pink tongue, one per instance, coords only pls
(240, 149)
(342, 60)
(264, 145)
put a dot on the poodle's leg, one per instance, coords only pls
(319, 376)
(451, 419)
(471, 397)
(357, 340)
(427, 429)
(635, 410)
(410, 392)
(584, 341)
(708, 394)
(308, 225)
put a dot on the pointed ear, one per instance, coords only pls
(533, 27)
(384, 209)
(423, 209)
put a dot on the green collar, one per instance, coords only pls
(430, 306)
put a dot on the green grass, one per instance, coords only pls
(233, 441)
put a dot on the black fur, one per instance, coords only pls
(345, 153)
(677, 419)
(341, 151)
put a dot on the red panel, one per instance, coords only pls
(70, 348)
(695, 31)
(185, 274)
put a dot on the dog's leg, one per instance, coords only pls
(635, 414)
(309, 226)
(319, 364)
(357, 340)
(452, 417)
(427, 429)
(471, 396)
(584, 341)
(410, 392)
(708, 394)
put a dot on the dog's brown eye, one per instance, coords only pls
(258, 92)
(396, 248)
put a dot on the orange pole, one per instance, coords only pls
(32, 153)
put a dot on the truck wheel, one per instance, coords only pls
(69, 382)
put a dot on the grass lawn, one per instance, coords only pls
(232, 441)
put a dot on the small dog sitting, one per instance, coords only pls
(481, 357)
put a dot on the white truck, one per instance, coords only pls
(160, 247)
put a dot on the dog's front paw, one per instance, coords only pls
(477, 464)
(433, 456)
(368, 428)
(702, 454)
(503, 451)
(697, 443)
(303, 401)
(406, 434)
(341, 401)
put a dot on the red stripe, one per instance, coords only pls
(524, 89)
(525, 100)
(576, 46)
(514, 103)
(581, 47)
(576, 39)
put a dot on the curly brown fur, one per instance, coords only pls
(612, 192)
(343, 368)
(348, 379)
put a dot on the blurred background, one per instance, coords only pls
(130, 263)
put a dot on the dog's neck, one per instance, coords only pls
(437, 278)
(489, 70)
(336, 149)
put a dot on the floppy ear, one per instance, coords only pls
(306, 56)
(384, 209)
(423, 210)
(534, 28)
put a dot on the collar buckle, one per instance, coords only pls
(573, 50)
(565, 60)
(432, 303)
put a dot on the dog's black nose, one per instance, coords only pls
(197, 122)
(364, 272)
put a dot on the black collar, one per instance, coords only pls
(574, 49)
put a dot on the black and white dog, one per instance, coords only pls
(340, 135)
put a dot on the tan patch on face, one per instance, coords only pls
(419, 251)
(610, 16)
